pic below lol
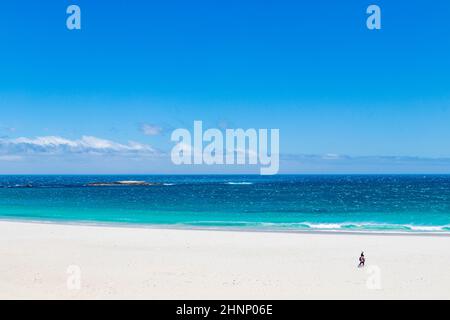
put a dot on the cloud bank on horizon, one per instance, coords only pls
(54, 145)
(107, 156)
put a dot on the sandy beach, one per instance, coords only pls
(50, 261)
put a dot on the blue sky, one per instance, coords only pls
(378, 99)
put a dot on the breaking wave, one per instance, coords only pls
(303, 226)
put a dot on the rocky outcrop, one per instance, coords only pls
(121, 183)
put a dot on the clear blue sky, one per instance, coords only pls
(310, 68)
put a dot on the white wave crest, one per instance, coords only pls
(239, 183)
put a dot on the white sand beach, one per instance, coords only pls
(146, 263)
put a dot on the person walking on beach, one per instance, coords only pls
(362, 260)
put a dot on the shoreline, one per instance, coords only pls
(229, 229)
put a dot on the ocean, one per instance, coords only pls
(369, 203)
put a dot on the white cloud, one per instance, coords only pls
(151, 130)
(59, 145)
(331, 156)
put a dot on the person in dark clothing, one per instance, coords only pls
(362, 260)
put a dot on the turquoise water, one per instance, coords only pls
(408, 203)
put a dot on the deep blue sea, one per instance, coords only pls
(407, 203)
